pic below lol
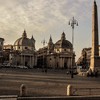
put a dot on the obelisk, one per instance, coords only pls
(94, 64)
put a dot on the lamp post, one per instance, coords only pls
(43, 42)
(72, 23)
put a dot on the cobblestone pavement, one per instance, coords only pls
(38, 83)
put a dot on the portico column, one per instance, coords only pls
(21, 59)
(24, 60)
(30, 61)
(61, 62)
(68, 62)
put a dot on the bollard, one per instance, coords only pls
(69, 90)
(23, 91)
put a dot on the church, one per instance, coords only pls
(56, 55)
(23, 52)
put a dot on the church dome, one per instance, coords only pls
(24, 41)
(63, 43)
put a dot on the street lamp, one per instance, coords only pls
(72, 22)
(43, 42)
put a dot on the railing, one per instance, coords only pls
(86, 91)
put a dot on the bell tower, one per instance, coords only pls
(33, 41)
(50, 45)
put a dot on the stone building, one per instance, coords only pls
(41, 57)
(1, 44)
(84, 59)
(58, 55)
(1, 50)
(7, 49)
(24, 52)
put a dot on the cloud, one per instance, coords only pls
(29, 12)
(37, 12)
(41, 17)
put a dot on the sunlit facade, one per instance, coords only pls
(24, 52)
(58, 55)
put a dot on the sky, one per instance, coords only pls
(42, 18)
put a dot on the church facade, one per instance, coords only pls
(23, 52)
(54, 55)
(58, 55)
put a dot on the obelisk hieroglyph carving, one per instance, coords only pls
(95, 40)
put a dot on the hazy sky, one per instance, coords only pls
(42, 18)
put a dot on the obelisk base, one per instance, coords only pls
(92, 72)
(94, 66)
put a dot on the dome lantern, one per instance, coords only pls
(50, 40)
(24, 35)
(63, 36)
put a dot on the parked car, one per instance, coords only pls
(23, 67)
